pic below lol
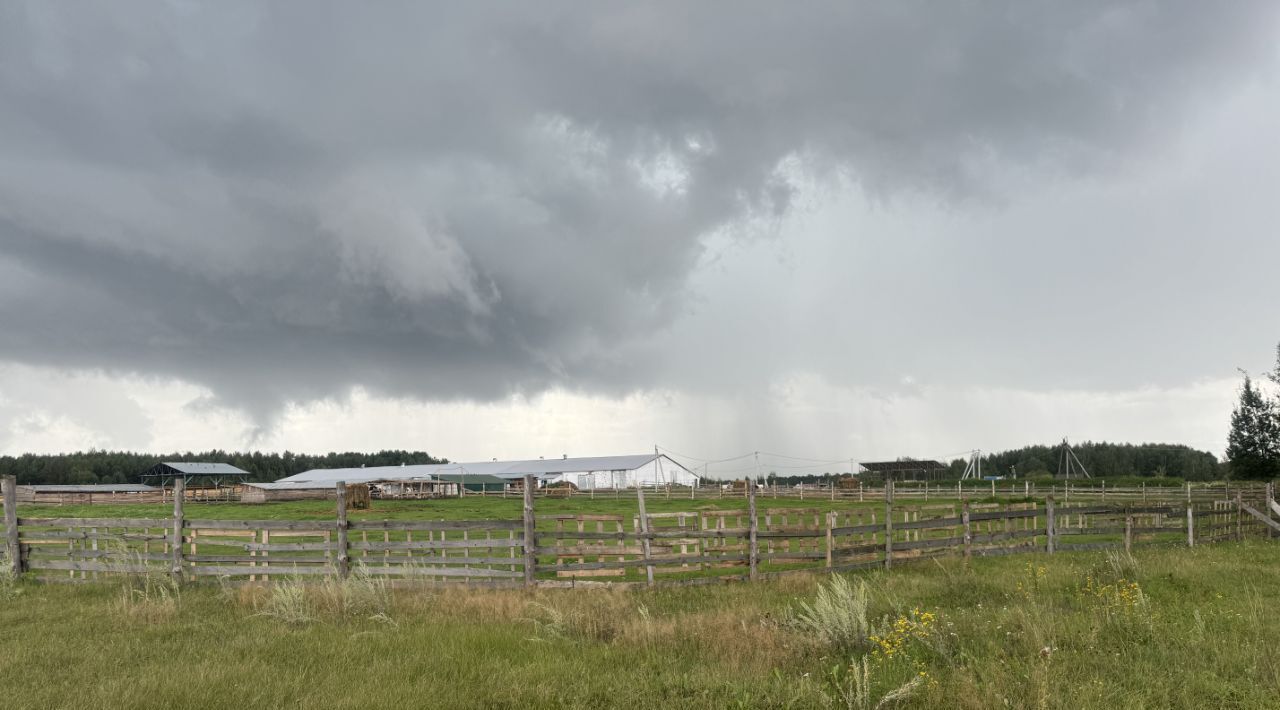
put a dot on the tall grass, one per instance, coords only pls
(959, 636)
(149, 595)
(332, 598)
(10, 587)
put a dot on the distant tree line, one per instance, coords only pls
(125, 466)
(1253, 444)
(1103, 460)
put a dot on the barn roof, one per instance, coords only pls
(506, 470)
(194, 468)
(169, 470)
(300, 486)
(897, 466)
(92, 488)
(479, 478)
(370, 473)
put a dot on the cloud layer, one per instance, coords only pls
(282, 201)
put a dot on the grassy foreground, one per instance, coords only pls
(1167, 628)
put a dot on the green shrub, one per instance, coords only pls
(838, 615)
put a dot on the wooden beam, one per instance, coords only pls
(344, 550)
(12, 550)
(530, 549)
(175, 544)
(645, 546)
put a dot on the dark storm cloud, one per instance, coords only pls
(282, 200)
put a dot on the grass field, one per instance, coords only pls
(1168, 628)
(468, 508)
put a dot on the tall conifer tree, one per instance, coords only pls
(1253, 445)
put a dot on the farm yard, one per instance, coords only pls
(845, 356)
(1166, 627)
(559, 540)
(1124, 613)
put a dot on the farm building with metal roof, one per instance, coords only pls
(88, 493)
(212, 475)
(906, 470)
(586, 473)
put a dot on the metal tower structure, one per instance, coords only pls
(973, 469)
(1069, 464)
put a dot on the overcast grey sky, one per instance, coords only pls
(831, 229)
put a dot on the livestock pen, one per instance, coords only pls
(571, 549)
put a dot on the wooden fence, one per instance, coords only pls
(1064, 492)
(668, 548)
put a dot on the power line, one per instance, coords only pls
(669, 452)
(846, 459)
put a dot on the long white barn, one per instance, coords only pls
(587, 472)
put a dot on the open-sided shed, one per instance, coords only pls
(195, 474)
(906, 470)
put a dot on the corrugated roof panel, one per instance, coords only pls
(503, 469)
(579, 464)
(371, 473)
(277, 486)
(471, 478)
(190, 467)
(92, 488)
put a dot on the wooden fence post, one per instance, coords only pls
(1191, 526)
(12, 548)
(530, 550)
(1239, 518)
(831, 538)
(888, 524)
(968, 531)
(1050, 525)
(1266, 505)
(1128, 532)
(175, 545)
(644, 535)
(344, 556)
(753, 544)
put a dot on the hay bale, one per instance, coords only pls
(358, 496)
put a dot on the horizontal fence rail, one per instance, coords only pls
(580, 549)
(847, 490)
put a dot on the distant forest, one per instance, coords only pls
(1101, 459)
(125, 467)
(1105, 460)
